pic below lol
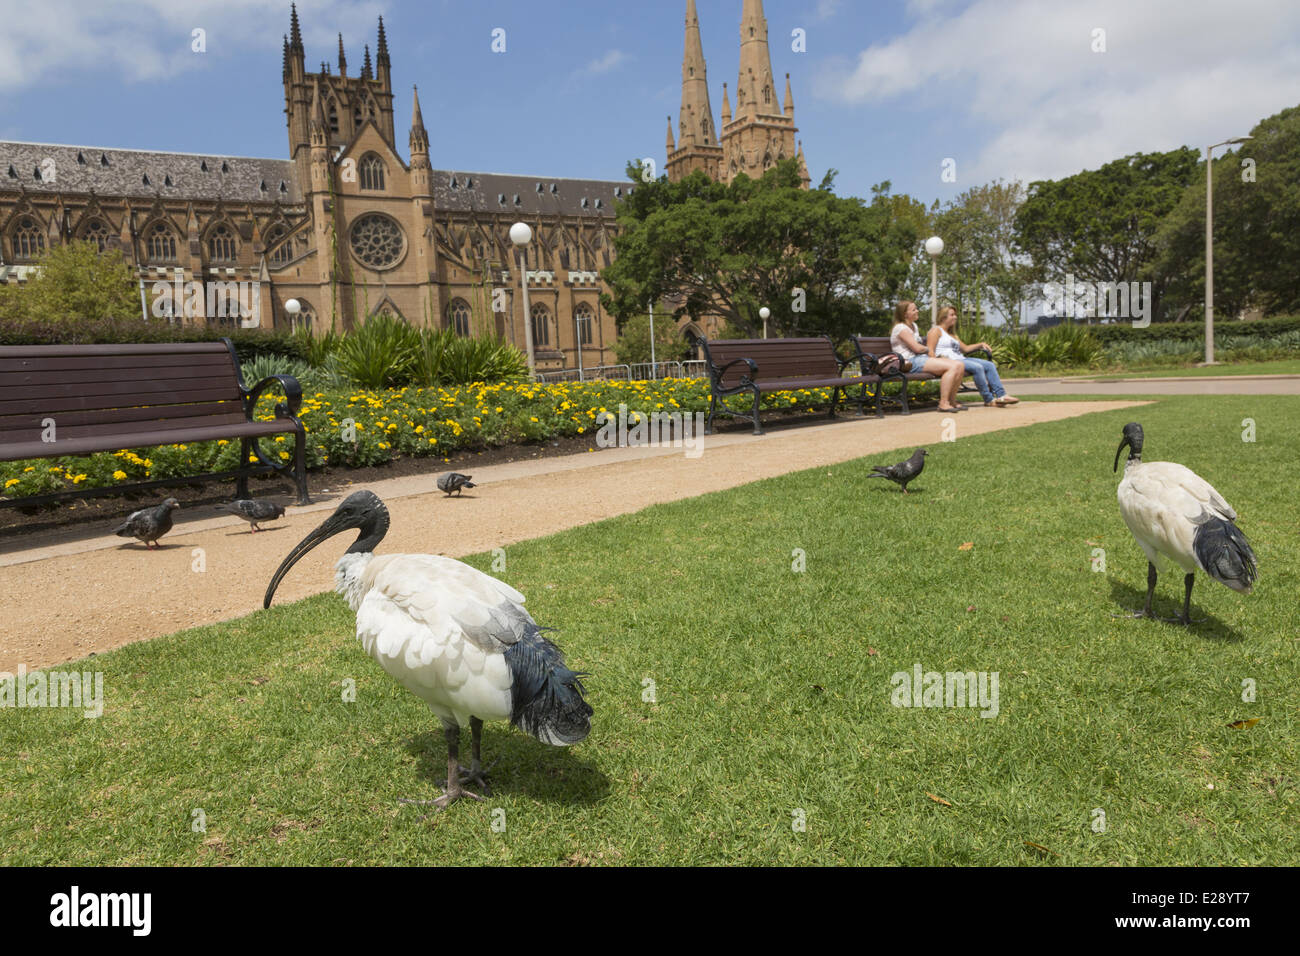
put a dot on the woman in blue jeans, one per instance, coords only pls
(943, 343)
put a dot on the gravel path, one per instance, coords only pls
(65, 598)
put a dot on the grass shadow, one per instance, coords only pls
(1127, 598)
(525, 767)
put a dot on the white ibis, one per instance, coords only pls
(457, 638)
(1177, 515)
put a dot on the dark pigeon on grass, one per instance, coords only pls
(454, 481)
(904, 471)
(253, 511)
(149, 524)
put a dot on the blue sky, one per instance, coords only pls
(885, 90)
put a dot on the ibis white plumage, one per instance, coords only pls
(457, 638)
(1176, 515)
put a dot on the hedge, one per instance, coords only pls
(249, 343)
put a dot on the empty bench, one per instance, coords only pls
(761, 366)
(63, 400)
(871, 348)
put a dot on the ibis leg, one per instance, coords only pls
(453, 791)
(1151, 590)
(476, 773)
(1186, 616)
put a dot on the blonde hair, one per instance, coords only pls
(943, 313)
(900, 311)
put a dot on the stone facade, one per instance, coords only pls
(345, 225)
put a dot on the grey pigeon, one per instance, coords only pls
(904, 471)
(454, 481)
(149, 524)
(253, 511)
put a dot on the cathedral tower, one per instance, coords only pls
(697, 146)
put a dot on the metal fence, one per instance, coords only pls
(637, 371)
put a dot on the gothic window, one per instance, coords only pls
(356, 117)
(334, 117)
(459, 312)
(96, 231)
(541, 326)
(282, 253)
(221, 244)
(303, 320)
(160, 244)
(585, 323)
(372, 172)
(29, 241)
(377, 241)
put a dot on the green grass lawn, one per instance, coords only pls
(1277, 367)
(772, 688)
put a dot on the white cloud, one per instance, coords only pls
(1175, 72)
(609, 61)
(827, 8)
(63, 40)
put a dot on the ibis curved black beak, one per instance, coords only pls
(332, 525)
(1125, 443)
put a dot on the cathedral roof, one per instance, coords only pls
(483, 192)
(146, 174)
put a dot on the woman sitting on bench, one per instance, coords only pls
(942, 342)
(908, 345)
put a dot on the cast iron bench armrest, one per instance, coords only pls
(753, 368)
(286, 409)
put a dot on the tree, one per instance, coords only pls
(1100, 225)
(633, 342)
(1256, 227)
(75, 281)
(729, 249)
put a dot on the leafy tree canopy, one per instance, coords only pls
(75, 281)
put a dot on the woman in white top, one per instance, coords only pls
(906, 341)
(943, 342)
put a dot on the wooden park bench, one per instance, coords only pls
(760, 366)
(63, 400)
(870, 348)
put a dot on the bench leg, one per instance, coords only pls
(835, 400)
(241, 487)
(903, 393)
(300, 467)
(758, 429)
(880, 398)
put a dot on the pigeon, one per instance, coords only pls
(454, 481)
(904, 471)
(149, 524)
(253, 511)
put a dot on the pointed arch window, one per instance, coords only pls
(160, 244)
(372, 172)
(586, 322)
(541, 326)
(333, 117)
(281, 253)
(460, 314)
(221, 244)
(96, 231)
(28, 240)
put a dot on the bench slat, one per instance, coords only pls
(76, 403)
(89, 445)
(111, 394)
(121, 364)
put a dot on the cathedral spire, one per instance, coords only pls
(382, 52)
(383, 66)
(670, 144)
(755, 59)
(284, 62)
(343, 60)
(419, 136)
(317, 127)
(367, 73)
(789, 98)
(295, 34)
(726, 106)
(697, 111)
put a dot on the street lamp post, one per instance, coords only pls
(934, 248)
(521, 235)
(652, 341)
(764, 313)
(1209, 247)
(292, 307)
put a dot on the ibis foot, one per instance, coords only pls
(478, 774)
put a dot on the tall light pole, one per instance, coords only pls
(1209, 247)
(521, 235)
(764, 313)
(934, 248)
(653, 376)
(292, 307)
